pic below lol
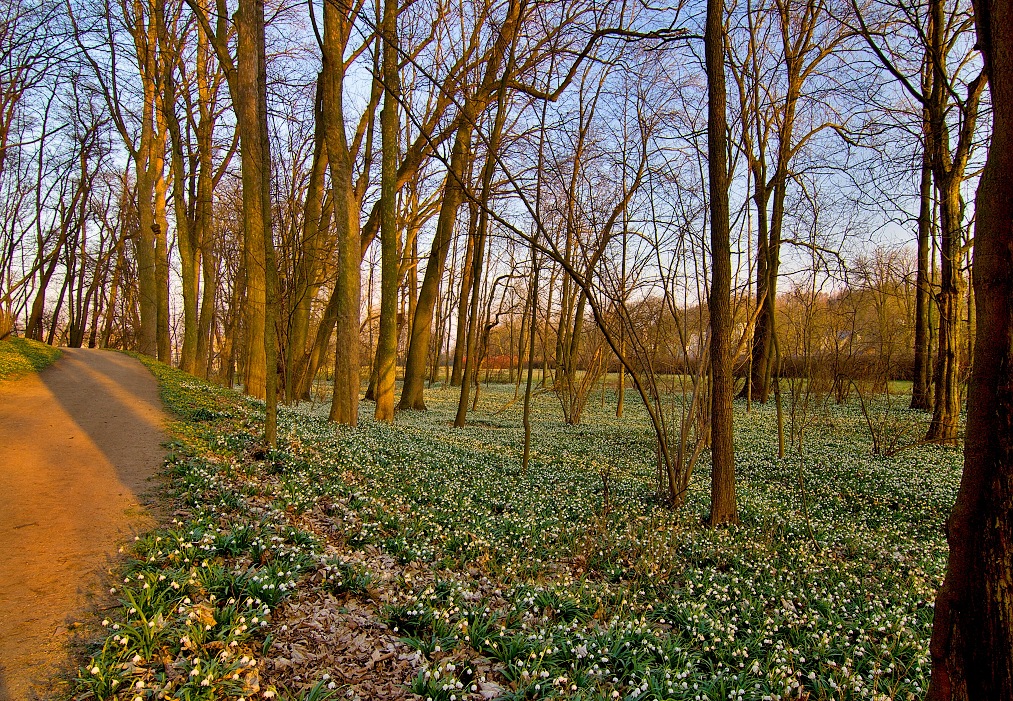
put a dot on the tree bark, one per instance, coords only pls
(946, 404)
(921, 397)
(972, 636)
(723, 504)
(161, 232)
(921, 390)
(386, 354)
(247, 99)
(462, 302)
(261, 273)
(345, 398)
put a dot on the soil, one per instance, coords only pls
(79, 445)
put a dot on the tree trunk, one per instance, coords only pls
(972, 635)
(161, 231)
(921, 397)
(757, 387)
(723, 505)
(186, 228)
(145, 177)
(309, 262)
(345, 398)
(946, 405)
(204, 208)
(462, 303)
(386, 354)
(254, 217)
(472, 359)
(261, 272)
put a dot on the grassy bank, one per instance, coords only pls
(19, 357)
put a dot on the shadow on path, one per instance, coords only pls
(79, 443)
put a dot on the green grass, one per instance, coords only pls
(522, 579)
(20, 357)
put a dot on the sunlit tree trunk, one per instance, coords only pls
(386, 354)
(255, 218)
(345, 399)
(261, 280)
(161, 231)
(946, 405)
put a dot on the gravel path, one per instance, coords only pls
(79, 443)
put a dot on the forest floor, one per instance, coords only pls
(78, 443)
(420, 561)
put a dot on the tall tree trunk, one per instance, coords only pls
(209, 284)
(462, 302)
(758, 385)
(972, 635)
(309, 264)
(144, 172)
(723, 504)
(533, 304)
(386, 354)
(261, 273)
(453, 195)
(204, 206)
(921, 397)
(186, 230)
(255, 218)
(161, 232)
(345, 398)
(270, 260)
(946, 405)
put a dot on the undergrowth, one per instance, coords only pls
(531, 586)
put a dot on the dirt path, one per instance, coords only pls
(78, 444)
